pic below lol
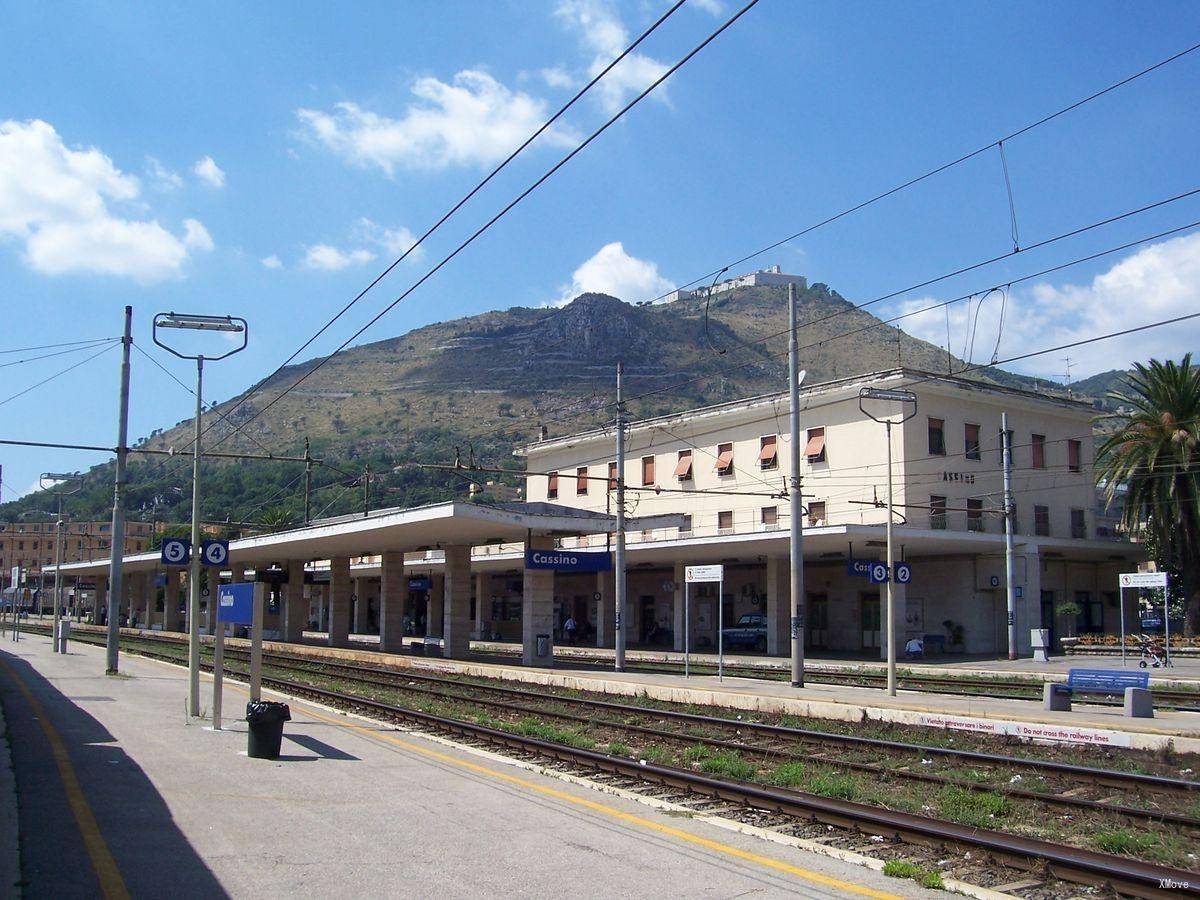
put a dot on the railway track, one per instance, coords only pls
(1027, 854)
(964, 685)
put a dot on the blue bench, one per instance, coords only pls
(1113, 682)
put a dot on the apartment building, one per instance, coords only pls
(32, 545)
(726, 469)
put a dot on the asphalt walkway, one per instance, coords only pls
(120, 795)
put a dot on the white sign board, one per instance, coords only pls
(1143, 579)
(696, 574)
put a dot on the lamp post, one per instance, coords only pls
(54, 481)
(903, 398)
(231, 325)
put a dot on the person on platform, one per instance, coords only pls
(569, 628)
(914, 649)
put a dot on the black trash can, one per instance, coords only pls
(265, 718)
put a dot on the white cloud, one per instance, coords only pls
(1160, 281)
(272, 262)
(557, 77)
(473, 121)
(396, 241)
(330, 259)
(55, 201)
(602, 33)
(712, 7)
(163, 178)
(196, 236)
(613, 271)
(207, 170)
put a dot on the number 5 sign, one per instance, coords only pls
(176, 551)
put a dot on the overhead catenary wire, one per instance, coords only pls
(542, 129)
(51, 355)
(507, 208)
(934, 171)
(60, 344)
(57, 374)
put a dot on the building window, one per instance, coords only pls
(1041, 521)
(937, 437)
(1037, 444)
(725, 521)
(816, 512)
(1078, 524)
(937, 513)
(551, 488)
(1090, 617)
(971, 440)
(612, 476)
(769, 516)
(686, 526)
(581, 480)
(768, 457)
(725, 459)
(647, 470)
(814, 447)
(975, 515)
(683, 467)
(1073, 452)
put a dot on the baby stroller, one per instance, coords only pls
(1153, 653)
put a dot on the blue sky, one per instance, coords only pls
(269, 161)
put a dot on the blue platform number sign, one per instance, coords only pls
(214, 553)
(903, 573)
(879, 573)
(235, 603)
(176, 551)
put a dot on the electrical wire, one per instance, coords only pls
(935, 171)
(29, 359)
(58, 374)
(507, 208)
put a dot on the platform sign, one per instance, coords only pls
(176, 551)
(879, 573)
(568, 560)
(235, 603)
(702, 574)
(903, 573)
(1143, 579)
(214, 553)
(859, 568)
(420, 583)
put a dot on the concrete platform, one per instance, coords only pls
(121, 794)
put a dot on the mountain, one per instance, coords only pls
(479, 386)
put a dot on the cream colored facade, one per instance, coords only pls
(948, 491)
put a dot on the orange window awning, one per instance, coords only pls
(767, 453)
(815, 446)
(724, 460)
(683, 468)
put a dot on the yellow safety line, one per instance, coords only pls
(107, 873)
(612, 812)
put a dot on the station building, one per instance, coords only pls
(708, 486)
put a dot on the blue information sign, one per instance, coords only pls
(878, 573)
(568, 560)
(214, 553)
(859, 567)
(420, 583)
(903, 573)
(235, 603)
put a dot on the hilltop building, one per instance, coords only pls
(771, 277)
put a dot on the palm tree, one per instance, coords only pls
(1155, 455)
(275, 518)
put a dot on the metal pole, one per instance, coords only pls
(59, 645)
(194, 574)
(1009, 590)
(218, 668)
(116, 590)
(721, 627)
(619, 565)
(307, 484)
(687, 631)
(256, 637)
(795, 501)
(1166, 625)
(891, 609)
(1121, 592)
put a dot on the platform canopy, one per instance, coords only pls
(456, 523)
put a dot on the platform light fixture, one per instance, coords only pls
(228, 325)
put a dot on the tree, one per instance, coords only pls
(1154, 454)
